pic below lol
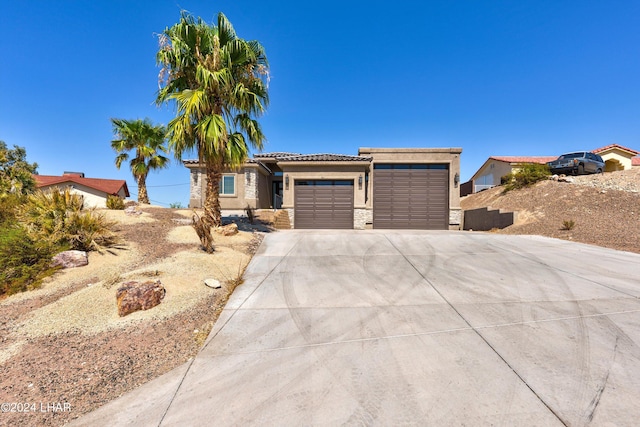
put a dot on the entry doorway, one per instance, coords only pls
(276, 190)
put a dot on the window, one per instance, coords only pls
(228, 185)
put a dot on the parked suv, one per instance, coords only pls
(577, 163)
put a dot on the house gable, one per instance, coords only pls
(616, 157)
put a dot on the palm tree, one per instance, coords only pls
(147, 140)
(219, 84)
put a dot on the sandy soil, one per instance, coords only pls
(65, 343)
(605, 209)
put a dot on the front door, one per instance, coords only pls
(277, 195)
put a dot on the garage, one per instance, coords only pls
(323, 204)
(411, 196)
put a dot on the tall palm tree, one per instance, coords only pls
(148, 141)
(219, 84)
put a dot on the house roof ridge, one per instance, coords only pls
(606, 147)
(110, 186)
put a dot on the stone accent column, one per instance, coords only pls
(361, 217)
(455, 219)
(291, 217)
(250, 184)
(195, 188)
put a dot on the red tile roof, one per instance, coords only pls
(109, 186)
(608, 147)
(635, 161)
(524, 159)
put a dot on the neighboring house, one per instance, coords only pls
(496, 167)
(616, 157)
(410, 188)
(93, 190)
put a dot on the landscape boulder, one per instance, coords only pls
(227, 230)
(133, 296)
(70, 259)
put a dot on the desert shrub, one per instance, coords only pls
(115, 202)
(58, 218)
(526, 176)
(568, 224)
(176, 205)
(25, 262)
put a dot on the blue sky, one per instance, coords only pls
(492, 77)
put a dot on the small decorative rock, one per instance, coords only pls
(227, 230)
(131, 210)
(212, 283)
(133, 296)
(70, 259)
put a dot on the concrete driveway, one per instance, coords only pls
(412, 328)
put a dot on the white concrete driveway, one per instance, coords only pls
(412, 328)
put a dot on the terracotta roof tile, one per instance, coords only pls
(109, 186)
(635, 161)
(525, 159)
(608, 147)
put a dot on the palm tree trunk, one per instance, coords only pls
(143, 197)
(212, 214)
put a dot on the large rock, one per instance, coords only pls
(70, 259)
(133, 296)
(227, 230)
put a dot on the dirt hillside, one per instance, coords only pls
(605, 209)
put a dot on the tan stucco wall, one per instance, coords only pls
(237, 201)
(92, 198)
(329, 170)
(494, 170)
(616, 160)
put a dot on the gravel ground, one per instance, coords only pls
(65, 343)
(605, 209)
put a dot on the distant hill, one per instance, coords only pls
(605, 208)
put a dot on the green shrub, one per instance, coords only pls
(25, 262)
(568, 224)
(58, 218)
(115, 202)
(176, 205)
(526, 176)
(8, 206)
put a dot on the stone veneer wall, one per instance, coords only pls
(250, 184)
(291, 217)
(361, 217)
(455, 218)
(195, 190)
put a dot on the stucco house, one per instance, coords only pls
(410, 188)
(495, 167)
(93, 190)
(616, 157)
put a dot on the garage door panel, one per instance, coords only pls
(320, 204)
(411, 197)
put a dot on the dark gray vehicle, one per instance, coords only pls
(577, 163)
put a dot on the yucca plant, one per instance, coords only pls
(58, 217)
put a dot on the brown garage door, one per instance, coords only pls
(411, 196)
(323, 204)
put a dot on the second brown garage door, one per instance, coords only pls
(323, 204)
(411, 196)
